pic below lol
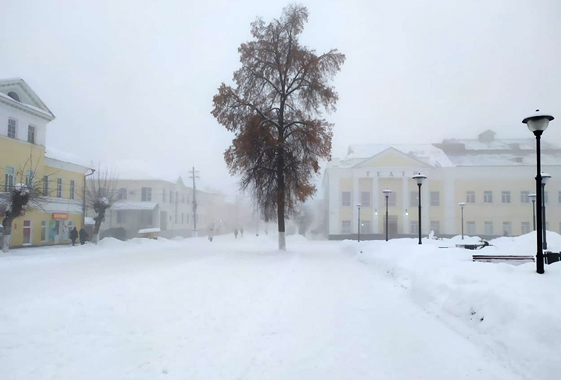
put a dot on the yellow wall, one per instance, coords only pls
(67, 176)
(17, 154)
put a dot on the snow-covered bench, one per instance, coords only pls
(512, 259)
(473, 246)
(150, 233)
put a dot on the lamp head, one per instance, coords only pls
(545, 178)
(419, 178)
(538, 122)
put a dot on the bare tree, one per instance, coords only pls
(101, 193)
(275, 112)
(21, 193)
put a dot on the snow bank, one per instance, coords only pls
(518, 309)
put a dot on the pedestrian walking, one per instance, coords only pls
(210, 234)
(241, 232)
(236, 233)
(74, 236)
(83, 236)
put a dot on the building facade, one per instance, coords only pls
(167, 205)
(24, 158)
(493, 177)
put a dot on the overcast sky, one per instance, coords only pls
(135, 79)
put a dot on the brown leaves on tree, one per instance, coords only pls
(275, 111)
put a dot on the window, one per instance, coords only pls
(470, 230)
(164, 195)
(470, 196)
(545, 197)
(26, 232)
(146, 194)
(507, 229)
(182, 198)
(72, 187)
(488, 228)
(121, 217)
(435, 226)
(46, 185)
(14, 96)
(524, 197)
(12, 128)
(365, 227)
(59, 187)
(170, 198)
(346, 198)
(392, 200)
(10, 178)
(346, 227)
(183, 217)
(525, 228)
(414, 227)
(43, 230)
(413, 199)
(122, 194)
(505, 195)
(176, 200)
(29, 178)
(365, 198)
(487, 197)
(31, 134)
(435, 198)
(175, 216)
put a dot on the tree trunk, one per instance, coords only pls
(7, 236)
(280, 201)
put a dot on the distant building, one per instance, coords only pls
(492, 176)
(23, 130)
(146, 201)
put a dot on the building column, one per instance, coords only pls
(405, 205)
(334, 204)
(354, 200)
(374, 198)
(450, 206)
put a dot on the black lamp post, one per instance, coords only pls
(387, 193)
(545, 178)
(462, 204)
(533, 198)
(538, 123)
(358, 205)
(420, 179)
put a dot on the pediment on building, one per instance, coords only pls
(18, 94)
(391, 157)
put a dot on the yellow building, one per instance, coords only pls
(493, 177)
(24, 158)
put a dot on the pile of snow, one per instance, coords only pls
(517, 308)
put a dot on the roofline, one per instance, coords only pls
(28, 90)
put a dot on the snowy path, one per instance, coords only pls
(236, 310)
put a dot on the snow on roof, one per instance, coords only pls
(149, 230)
(133, 206)
(60, 155)
(427, 153)
(43, 109)
(500, 144)
(135, 169)
(503, 159)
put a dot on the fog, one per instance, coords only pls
(134, 80)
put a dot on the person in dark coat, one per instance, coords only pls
(74, 236)
(83, 236)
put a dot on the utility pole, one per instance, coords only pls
(84, 198)
(195, 175)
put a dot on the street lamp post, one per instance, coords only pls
(420, 179)
(462, 204)
(387, 193)
(533, 198)
(358, 205)
(545, 178)
(537, 123)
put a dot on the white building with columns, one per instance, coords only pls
(493, 177)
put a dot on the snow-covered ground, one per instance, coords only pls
(240, 309)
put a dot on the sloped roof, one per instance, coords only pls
(426, 153)
(39, 106)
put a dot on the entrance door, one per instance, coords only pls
(392, 226)
(27, 232)
(57, 232)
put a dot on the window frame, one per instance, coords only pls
(524, 196)
(9, 178)
(15, 127)
(469, 230)
(72, 189)
(362, 198)
(507, 227)
(343, 203)
(488, 196)
(522, 228)
(32, 131)
(488, 224)
(506, 195)
(146, 194)
(470, 197)
(345, 223)
(432, 201)
(59, 188)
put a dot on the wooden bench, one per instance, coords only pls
(512, 259)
